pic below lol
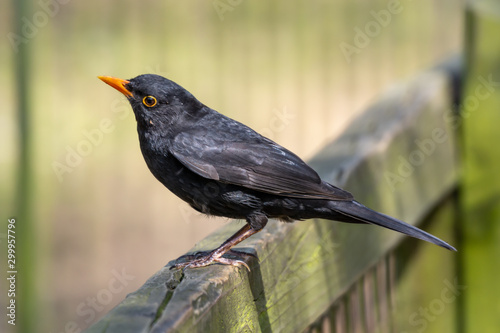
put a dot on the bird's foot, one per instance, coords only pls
(202, 259)
(205, 258)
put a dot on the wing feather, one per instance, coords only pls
(260, 165)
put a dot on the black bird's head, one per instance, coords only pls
(156, 101)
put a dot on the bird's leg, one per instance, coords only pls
(216, 255)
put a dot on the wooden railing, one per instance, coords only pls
(398, 157)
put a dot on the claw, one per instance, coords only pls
(208, 259)
(233, 262)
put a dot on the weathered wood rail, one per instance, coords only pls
(398, 157)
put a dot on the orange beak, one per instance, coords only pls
(118, 84)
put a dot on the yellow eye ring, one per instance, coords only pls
(149, 101)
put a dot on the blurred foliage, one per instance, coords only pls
(479, 113)
(279, 67)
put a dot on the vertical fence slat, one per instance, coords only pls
(25, 241)
(369, 301)
(479, 112)
(340, 318)
(383, 306)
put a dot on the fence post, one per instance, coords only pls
(480, 114)
(26, 294)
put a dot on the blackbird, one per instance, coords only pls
(224, 168)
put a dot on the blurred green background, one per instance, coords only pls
(297, 72)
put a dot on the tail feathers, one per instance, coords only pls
(357, 211)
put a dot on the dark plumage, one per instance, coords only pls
(222, 167)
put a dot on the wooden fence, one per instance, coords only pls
(398, 157)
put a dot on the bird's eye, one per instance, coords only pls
(149, 101)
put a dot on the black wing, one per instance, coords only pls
(258, 164)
